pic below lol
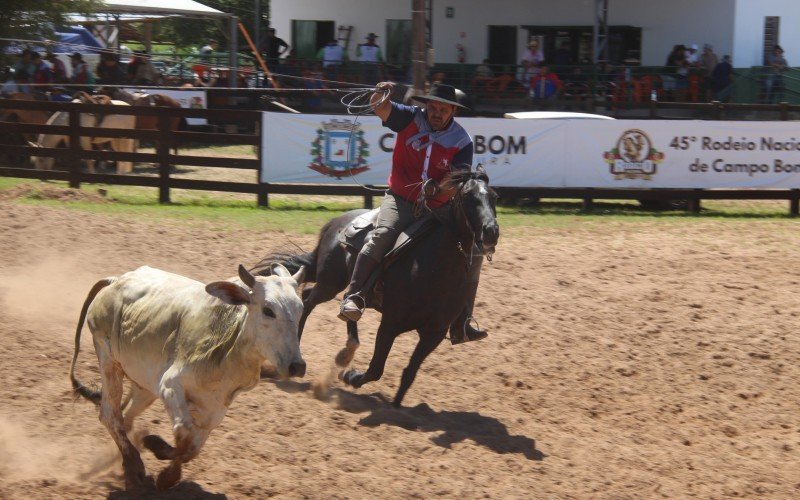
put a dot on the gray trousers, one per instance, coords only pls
(396, 214)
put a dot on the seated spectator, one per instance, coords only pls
(42, 74)
(545, 85)
(81, 74)
(483, 74)
(146, 73)
(109, 71)
(59, 68)
(312, 80)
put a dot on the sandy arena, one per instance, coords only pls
(626, 359)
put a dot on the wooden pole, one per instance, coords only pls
(418, 54)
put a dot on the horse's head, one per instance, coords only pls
(477, 202)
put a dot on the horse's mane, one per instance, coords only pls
(458, 177)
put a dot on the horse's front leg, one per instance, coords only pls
(345, 356)
(383, 344)
(428, 341)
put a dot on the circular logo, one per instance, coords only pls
(633, 146)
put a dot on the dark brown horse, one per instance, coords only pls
(424, 289)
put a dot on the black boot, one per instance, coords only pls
(461, 331)
(352, 306)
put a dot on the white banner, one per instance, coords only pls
(195, 99)
(549, 153)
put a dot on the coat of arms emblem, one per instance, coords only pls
(332, 152)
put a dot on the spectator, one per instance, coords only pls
(369, 56)
(272, 48)
(146, 73)
(545, 85)
(722, 79)
(81, 74)
(208, 49)
(332, 56)
(22, 72)
(59, 68)
(109, 71)
(42, 74)
(562, 56)
(312, 100)
(677, 65)
(776, 65)
(60, 94)
(708, 61)
(483, 75)
(531, 60)
(692, 57)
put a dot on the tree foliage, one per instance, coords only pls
(191, 33)
(36, 19)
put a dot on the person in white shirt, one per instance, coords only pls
(370, 57)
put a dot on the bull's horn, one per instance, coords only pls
(300, 275)
(280, 270)
(247, 278)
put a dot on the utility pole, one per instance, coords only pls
(418, 50)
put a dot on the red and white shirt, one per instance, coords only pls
(421, 153)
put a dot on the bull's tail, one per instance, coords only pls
(78, 388)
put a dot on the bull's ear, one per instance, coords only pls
(280, 271)
(228, 292)
(300, 275)
(247, 278)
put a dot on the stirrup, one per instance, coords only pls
(468, 334)
(352, 314)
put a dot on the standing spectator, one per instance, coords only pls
(207, 50)
(332, 56)
(482, 76)
(677, 64)
(545, 85)
(708, 61)
(81, 74)
(721, 80)
(531, 60)
(776, 65)
(59, 68)
(272, 48)
(370, 57)
(22, 72)
(692, 57)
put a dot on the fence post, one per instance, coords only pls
(717, 112)
(262, 197)
(794, 203)
(162, 152)
(784, 109)
(75, 148)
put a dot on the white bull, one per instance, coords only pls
(118, 144)
(194, 346)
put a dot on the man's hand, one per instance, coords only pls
(380, 100)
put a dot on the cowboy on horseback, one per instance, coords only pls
(428, 146)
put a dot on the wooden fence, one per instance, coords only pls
(166, 140)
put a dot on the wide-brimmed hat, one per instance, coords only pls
(76, 55)
(441, 93)
(371, 36)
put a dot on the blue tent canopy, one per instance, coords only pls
(76, 39)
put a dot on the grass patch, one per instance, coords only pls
(306, 214)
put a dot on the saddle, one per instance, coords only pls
(355, 235)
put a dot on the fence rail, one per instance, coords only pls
(166, 139)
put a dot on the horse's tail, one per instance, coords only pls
(77, 386)
(290, 261)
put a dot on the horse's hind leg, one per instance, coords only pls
(383, 344)
(426, 345)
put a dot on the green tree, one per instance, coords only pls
(36, 19)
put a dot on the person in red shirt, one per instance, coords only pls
(546, 85)
(429, 145)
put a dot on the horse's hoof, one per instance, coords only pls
(353, 378)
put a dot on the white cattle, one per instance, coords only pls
(119, 144)
(195, 346)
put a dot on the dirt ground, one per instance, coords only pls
(626, 360)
